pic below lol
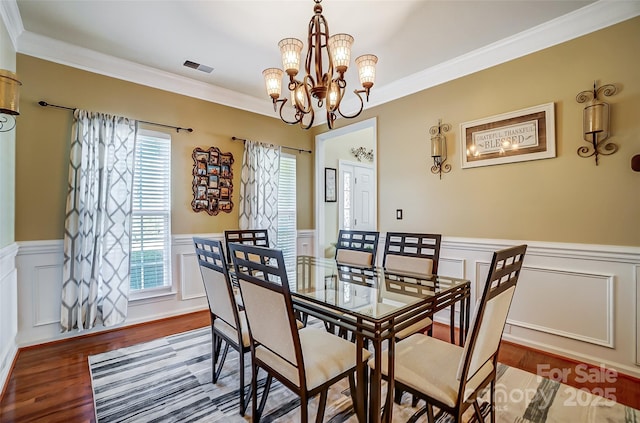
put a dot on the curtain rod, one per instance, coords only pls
(177, 128)
(299, 150)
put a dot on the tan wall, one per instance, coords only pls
(564, 199)
(43, 144)
(7, 151)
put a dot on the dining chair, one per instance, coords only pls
(246, 236)
(228, 323)
(308, 360)
(357, 247)
(416, 253)
(452, 377)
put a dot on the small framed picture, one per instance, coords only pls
(329, 185)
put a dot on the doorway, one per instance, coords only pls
(332, 147)
(356, 196)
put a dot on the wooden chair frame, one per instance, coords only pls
(265, 268)
(364, 241)
(503, 274)
(211, 255)
(246, 236)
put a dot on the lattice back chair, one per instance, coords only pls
(357, 247)
(415, 253)
(307, 360)
(246, 236)
(228, 323)
(451, 377)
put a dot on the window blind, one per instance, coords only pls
(151, 218)
(287, 231)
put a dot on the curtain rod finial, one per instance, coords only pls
(43, 103)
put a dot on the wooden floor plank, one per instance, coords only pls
(52, 383)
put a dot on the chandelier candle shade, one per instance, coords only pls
(324, 86)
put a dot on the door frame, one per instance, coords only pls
(319, 173)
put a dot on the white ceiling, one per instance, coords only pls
(419, 43)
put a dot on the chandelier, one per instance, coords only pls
(325, 87)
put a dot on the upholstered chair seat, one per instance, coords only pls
(307, 361)
(229, 327)
(326, 356)
(223, 327)
(452, 377)
(430, 365)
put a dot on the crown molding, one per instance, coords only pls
(56, 51)
(588, 19)
(593, 17)
(12, 20)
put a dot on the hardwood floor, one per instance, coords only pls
(51, 383)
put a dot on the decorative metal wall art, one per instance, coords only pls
(362, 153)
(595, 122)
(212, 181)
(439, 148)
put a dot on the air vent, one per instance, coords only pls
(198, 66)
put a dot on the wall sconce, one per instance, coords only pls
(439, 148)
(595, 122)
(9, 99)
(362, 153)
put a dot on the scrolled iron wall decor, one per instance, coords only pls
(439, 148)
(212, 181)
(595, 122)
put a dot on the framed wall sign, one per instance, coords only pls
(212, 181)
(329, 185)
(522, 135)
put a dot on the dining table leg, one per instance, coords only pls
(388, 403)
(362, 385)
(376, 383)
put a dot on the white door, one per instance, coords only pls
(356, 196)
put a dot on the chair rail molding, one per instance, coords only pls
(566, 275)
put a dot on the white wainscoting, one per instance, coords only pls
(637, 277)
(39, 280)
(575, 300)
(8, 310)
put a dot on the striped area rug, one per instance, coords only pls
(169, 380)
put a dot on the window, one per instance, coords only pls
(287, 231)
(151, 219)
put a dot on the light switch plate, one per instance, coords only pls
(399, 214)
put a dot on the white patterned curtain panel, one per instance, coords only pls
(258, 207)
(95, 285)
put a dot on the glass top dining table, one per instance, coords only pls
(374, 304)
